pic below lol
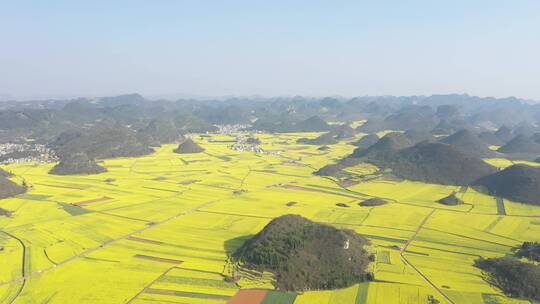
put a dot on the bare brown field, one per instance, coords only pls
(248, 296)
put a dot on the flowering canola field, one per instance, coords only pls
(160, 229)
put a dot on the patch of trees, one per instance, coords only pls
(529, 250)
(253, 141)
(372, 202)
(432, 163)
(521, 144)
(4, 212)
(518, 183)
(330, 170)
(366, 141)
(451, 200)
(159, 131)
(77, 164)
(306, 255)
(514, 277)
(469, 143)
(9, 188)
(188, 146)
(108, 141)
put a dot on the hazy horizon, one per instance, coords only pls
(174, 97)
(244, 48)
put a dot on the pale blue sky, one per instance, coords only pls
(203, 47)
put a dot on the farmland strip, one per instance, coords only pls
(157, 259)
(500, 206)
(187, 294)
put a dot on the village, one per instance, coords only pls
(11, 153)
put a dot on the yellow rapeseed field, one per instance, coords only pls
(161, 228)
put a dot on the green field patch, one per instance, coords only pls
(295, 187)
(74, 209)
(65, 186)
(100, 260)
(443, 250)
(157, 259)
(500, 206)
(362, 294)
(197, 253)
(416, 253)
(96, 200)
(278, 173)
(186, 294)
(198, 282)
(189, 182)
(141, 240)
(34, 197)
(340, 190)
(476, 247)
(194, 161)
(197, 271)
(224, 157)
(383, 238)
(161, 189)
(276, 297)
(265, 171)
(493, 223)
(489, 298)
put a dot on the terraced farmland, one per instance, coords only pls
(161, 228)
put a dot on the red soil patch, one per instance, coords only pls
(248, 296)
(136, 239)
(157, 259)
(96, 200)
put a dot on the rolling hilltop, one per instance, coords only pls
(77, 164)
(520, 183)
(434, 163)
(188, 146)
(306, 255)
(9, 188)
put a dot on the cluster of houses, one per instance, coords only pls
(241, 143)
(246, 147)
(11, 153)
(231, 130)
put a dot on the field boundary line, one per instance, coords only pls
(407, 262)
(23, 267)
(150, 284)
(94, 249)
(244, 178)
